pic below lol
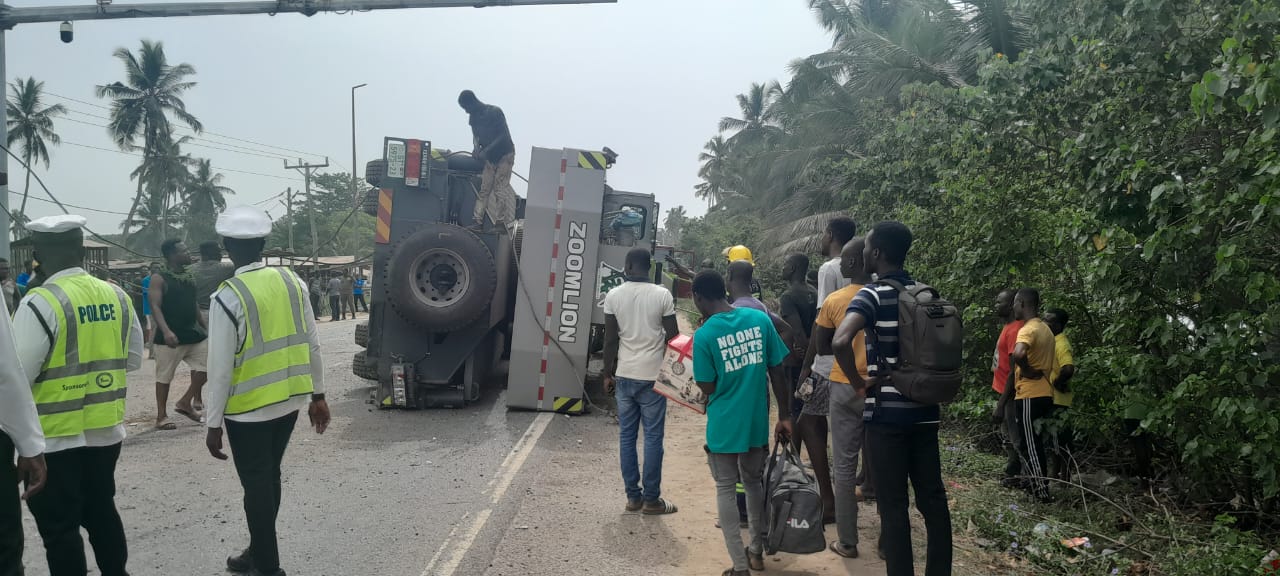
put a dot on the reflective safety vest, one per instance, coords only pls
(274, 364)
(82, 383)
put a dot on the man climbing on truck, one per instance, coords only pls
(493, 145)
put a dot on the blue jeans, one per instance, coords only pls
(637, 402)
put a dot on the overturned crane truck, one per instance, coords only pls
(577, 232)
(441, 297)
(449, 301)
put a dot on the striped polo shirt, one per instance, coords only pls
(878, 303)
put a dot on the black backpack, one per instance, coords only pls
(930, 345)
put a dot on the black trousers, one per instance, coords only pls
(315, 303)
(360, 303)
(10, 512)
(902, 454)
(80, 492)
(335, 306)
(1013, 441)
(257, 449)
(1028, 412)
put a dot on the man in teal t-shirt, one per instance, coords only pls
(736, 353)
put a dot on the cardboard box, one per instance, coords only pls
(675, 381)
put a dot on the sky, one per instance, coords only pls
(648, 78)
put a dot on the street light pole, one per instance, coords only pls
(354, 178)
(11, 16)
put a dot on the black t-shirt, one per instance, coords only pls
(179, 308)
(490, 124)
(801, 302)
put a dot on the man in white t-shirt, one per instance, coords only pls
(640, 318)
(839, 232)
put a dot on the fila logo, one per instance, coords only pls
(800, 523)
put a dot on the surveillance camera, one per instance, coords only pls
(66, 32)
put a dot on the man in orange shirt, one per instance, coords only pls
(1002, 367)
(847, 400)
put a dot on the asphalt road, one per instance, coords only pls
(381, 492)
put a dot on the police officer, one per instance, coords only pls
(20, 427)
(80, 336)
(264, 366)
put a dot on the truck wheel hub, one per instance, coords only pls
(440, 277)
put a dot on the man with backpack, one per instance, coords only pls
(902, 424)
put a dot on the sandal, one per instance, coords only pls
(659, 507)
(166, 425)
(755, 560)
(732, 572)
(634, 505)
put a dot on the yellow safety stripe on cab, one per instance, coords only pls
(565, 405)
(591, 160)
(382, 230)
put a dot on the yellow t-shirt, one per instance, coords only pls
(1062, 357)
(830, 316)
(1040, 354)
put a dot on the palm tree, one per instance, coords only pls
(674, 223)
(205, 198)
(142, 104)
(165, 175)
(756, 126)
(882, 46)
(31, 124)
(715, 170)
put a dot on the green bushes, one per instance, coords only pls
(1127, 165)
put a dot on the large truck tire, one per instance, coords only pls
(362, 334)
(441, 277)
(374, 171)
(369, 204)
(361, 368)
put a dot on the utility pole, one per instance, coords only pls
(354, 178)
(11, 16)
(288, 210)
(305, 170)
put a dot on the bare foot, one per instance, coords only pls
(186, 410)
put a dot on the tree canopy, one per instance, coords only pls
(1118, 155)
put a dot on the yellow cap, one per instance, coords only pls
(739, 253)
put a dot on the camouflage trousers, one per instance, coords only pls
(496, 197)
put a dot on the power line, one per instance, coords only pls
(195, 141)
(40, 181)
(223, 169)
(38, 199)
(237, 148)
(245, 140)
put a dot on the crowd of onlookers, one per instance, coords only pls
(337, 294)
(828, 352)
